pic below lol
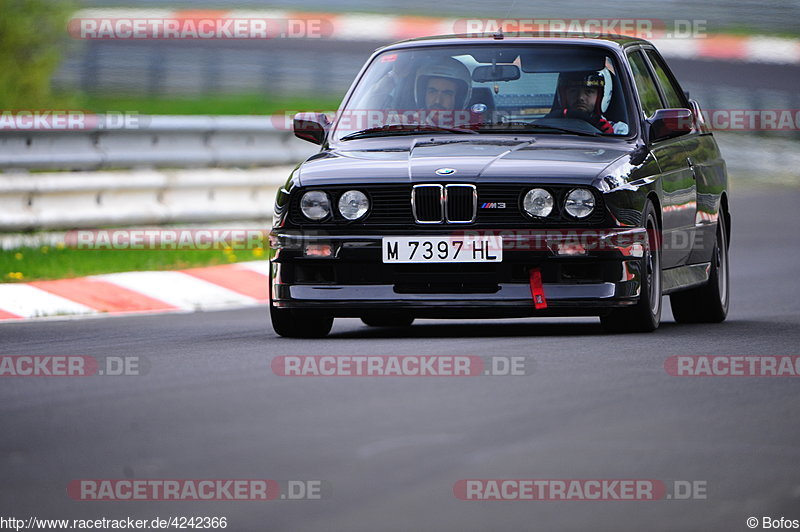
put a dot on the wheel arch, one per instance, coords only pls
(653, 198)
(726, 216)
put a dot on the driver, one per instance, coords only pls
(580, 95)
(443, 86)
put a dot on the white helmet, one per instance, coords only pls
(449, 69)
(608, 90)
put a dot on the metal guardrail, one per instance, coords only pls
(157, 141)
(193, 191)
(66, 200)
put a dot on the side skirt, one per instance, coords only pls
(683, 277)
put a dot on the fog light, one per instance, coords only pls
(570, 249)
(318, 250)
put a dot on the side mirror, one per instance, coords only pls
(669, 123)
(311, 126)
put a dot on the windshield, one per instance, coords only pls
(552, 89)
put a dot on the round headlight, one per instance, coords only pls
(315, 205)
(538, 202)
(353, 204)
(579, 203)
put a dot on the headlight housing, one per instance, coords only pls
(353, 204)
(579, 202)
(538, 202)
(315, 205)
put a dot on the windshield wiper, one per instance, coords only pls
(530, 125)
(404, 129)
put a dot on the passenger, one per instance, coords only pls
(580, 95)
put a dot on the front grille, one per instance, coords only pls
(426, 202)
(436, 204)
(461, 201)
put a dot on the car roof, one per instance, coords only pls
(607, 40)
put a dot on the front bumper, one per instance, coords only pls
(583, 272)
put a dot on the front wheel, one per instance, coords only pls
(300, 323)
(645, 316)
(708, 303)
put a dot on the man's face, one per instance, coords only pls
(440, 94)
(581, 98)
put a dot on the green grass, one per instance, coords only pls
(48, 262)
(219, 104)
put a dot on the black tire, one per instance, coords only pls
(645, 316)
(387, 320)
(300, 323)
(708, 303)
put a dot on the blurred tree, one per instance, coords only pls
(32, 35)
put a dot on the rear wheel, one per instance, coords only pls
(708, 303)
(300, 323)
(645, 316)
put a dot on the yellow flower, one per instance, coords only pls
(60, 245)
(15, 275)
(258, 252)
(18, 256)
(228, 250)
(231, 257)
(44, 249)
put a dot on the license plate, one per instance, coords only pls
(442, 249)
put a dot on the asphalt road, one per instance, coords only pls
(391, 449)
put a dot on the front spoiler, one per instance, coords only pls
(510, 299)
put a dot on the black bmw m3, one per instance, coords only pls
(493, 176)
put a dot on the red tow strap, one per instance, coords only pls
(537, 290)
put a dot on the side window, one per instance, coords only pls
(645, 84)
(672, 92)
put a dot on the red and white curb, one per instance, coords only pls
(390, 28)
(243, 284)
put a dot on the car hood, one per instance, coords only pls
(417, 160)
